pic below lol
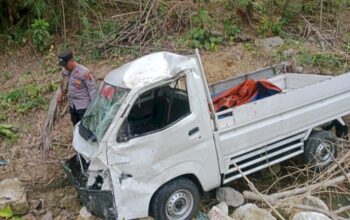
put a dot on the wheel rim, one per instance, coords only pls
(324, 152)
(179, 204)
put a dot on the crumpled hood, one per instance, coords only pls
(148, 69)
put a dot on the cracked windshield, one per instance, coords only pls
(103, 109)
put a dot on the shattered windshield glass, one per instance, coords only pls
(103, 109)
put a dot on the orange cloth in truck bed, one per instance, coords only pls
(243, 93)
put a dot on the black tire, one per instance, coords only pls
(320, 149)
(176, 200)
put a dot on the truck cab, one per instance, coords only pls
(148, 127)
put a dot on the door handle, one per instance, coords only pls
(193, 131)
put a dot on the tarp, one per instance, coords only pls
(248, 91)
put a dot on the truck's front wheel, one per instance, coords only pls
(320, 149)
(176, 200)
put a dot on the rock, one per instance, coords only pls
(289, 53)
(251, 211)
(310, 216)
(28, 217)
(64, 214)
(292, 201)
(13, 193)
(243, 38)
(47, 216)
(216, 213)
(269, 43)
(36, 204)
(230, 196)
(298, 69)
(20, 208)
(52, 200)
(55, 212)
(315, 202)
(84, 214)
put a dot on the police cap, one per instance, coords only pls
(64, 58)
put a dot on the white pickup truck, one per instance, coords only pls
(151, 143)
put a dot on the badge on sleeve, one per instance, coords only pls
(88, 76)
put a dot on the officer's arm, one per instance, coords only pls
(64, 86)
(90, 84)
(64, 82)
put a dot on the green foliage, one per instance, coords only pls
(16, 36)
(6, 212)
(23, 99)
(201, 19)
(38, 7)
(347, 47)
(8, 132)
(204, 39)
(231, 30)
(244, 5)
(269, 27)
(321, 60)
(201, 35)
(4, 76)
(292, 11)
(40, 34)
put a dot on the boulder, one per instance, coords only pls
(310, 216)
(292, 201)
(20, 208)
(251, 211)
(270, 43)
(216, 213)
(84, 214)
(28, 217)
(315, 202)
(230, 196)
(14, 194)
(11, 191)
(47, 216)
(290, 52)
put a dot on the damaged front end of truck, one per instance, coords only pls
(97, 198)
(88, 169)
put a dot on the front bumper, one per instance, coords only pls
(99, 202)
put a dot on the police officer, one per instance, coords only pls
(78, 83)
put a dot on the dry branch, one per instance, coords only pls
(47, 127)
(320, 37)
(332, 215)
(150, 23)
(275, 197)
(256, 191)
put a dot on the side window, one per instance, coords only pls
(156, 109)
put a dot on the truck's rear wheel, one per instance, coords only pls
(320, 149)
(176, 200)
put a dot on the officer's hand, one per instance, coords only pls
(59, 98)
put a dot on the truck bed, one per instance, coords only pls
(273, 129)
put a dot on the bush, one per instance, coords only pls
(40, 34)
(201, 36)
(231, 30)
